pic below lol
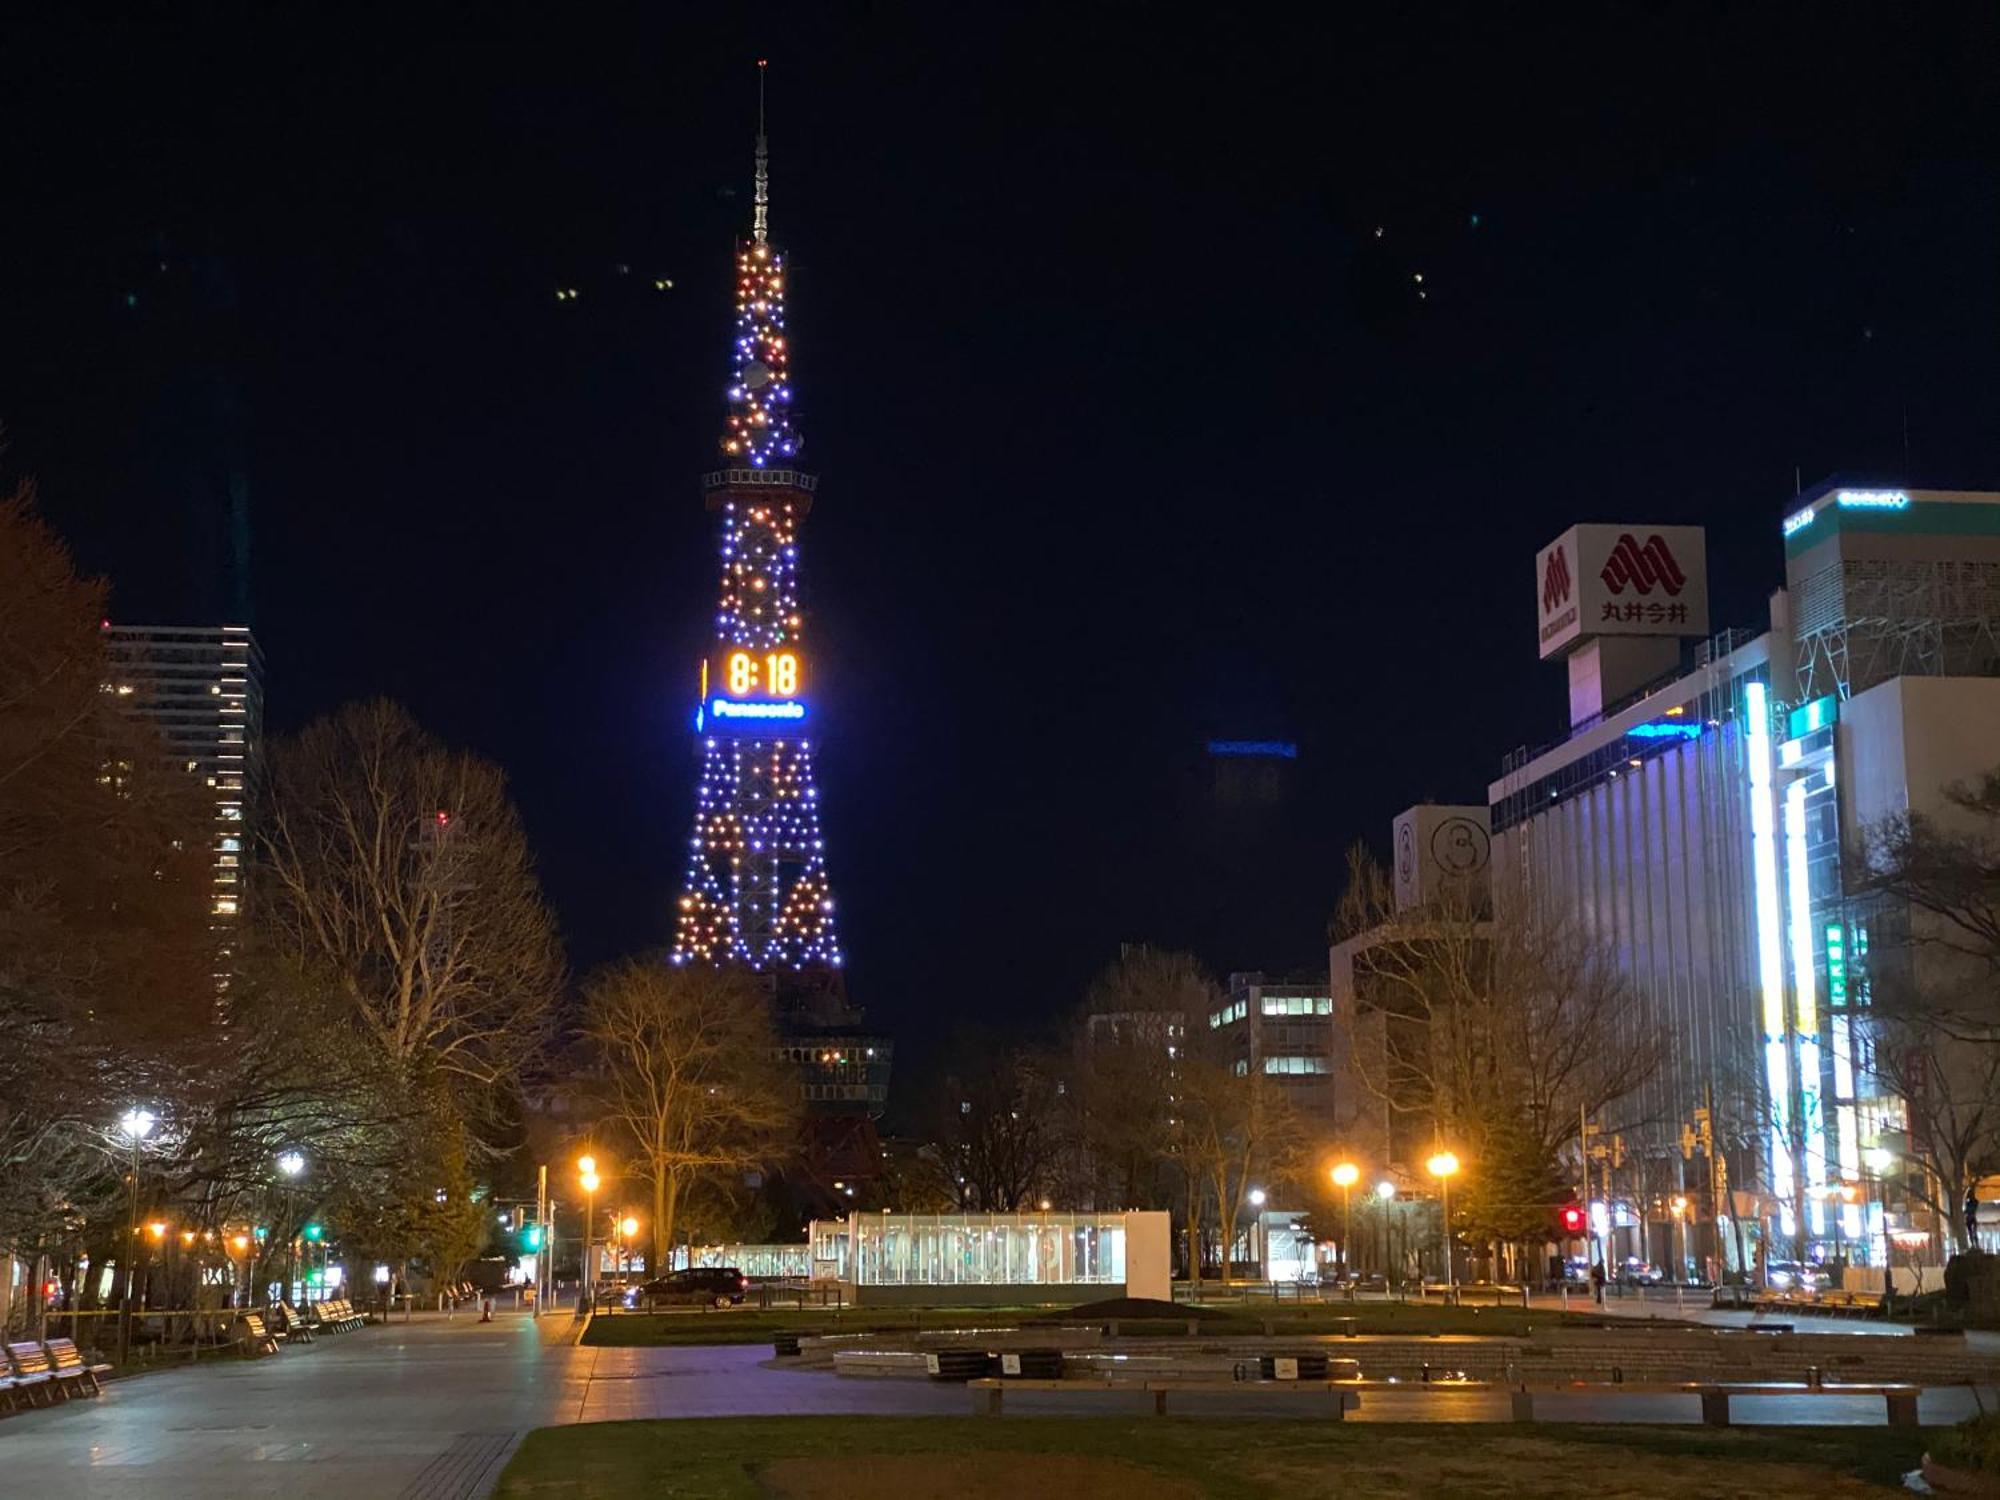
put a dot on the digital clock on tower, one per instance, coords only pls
(749, 675)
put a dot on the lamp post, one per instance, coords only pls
(1345, 1175)
(291, 1163)
(586, 1174)
(1385, 1194)
(627, 1228)
(1678, 1206)
(1441, 1167)
(136, 1124)
(1257, 1232)
(240, 1243)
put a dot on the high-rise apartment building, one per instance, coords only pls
(202, 687)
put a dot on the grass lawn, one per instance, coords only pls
(750, 1326)
(1169, 1458)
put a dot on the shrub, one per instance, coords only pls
(1970, 1445)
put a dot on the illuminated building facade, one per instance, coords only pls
(202, 687)
(1704, 822)
(756, 894)
(1285, 1032)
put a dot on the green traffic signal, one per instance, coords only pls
(531, 1237)
(314, 1232)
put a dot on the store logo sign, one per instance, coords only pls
(1555, 580)
(1643, 568)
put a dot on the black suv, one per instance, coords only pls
(718, 1286)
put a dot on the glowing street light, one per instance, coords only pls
(1441, 1167)
(291, 1164)
(1385, 1194)
(137, 1123)
(587, 1179)
(1345, 1175)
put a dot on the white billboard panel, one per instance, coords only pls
(1608, 579)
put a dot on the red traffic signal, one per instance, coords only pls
(1574, 1218)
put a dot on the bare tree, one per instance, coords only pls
(402, 866)
(691, 1077)
(105, 956)
(1933, 976)
(1500, 1030)
(996, 1129)
(1125, 1105)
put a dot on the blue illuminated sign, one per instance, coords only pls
(1849, 500)
(726, 708)
(1266, 749)
(1663, 731)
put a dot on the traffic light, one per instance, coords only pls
(531, 1237)
(314, 1232)
(1574, 1219)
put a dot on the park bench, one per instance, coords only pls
(989, 1394)
(1900, 1400)
(34, 1371)
(285, 1321)
(333, 1315)
(72, 1369)
(254, 1335)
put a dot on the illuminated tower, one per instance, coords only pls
(756, 892)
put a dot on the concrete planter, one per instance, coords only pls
(1949, 1481)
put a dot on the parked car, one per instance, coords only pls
(718, 1286)
(1637, 1272)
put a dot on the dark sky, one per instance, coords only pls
(1132, 428)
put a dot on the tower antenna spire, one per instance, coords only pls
(760, 225)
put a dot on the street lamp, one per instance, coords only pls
(291, 1163)
(586, 1176)
(137, 1123)
(1678, 1206)
(1385, 1194)
(1256, 1196)
(1441, 1167)
(1345, 1175)
(627, 1227)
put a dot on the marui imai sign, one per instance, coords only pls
(1621, 580)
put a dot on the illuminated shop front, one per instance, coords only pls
(993, 1258)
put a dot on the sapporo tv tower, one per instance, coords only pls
(757, 894)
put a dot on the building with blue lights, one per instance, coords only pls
(1704, 820)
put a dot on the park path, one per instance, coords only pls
(430, 1410)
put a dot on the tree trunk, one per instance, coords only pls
(666, 1204)
(659, 1263)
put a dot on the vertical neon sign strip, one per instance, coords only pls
(1798, 896)
(1764, 859)
(1770, 956)
(1798, 882)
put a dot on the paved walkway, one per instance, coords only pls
(429, 1410)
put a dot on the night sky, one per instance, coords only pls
(1135, 426)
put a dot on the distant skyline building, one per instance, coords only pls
(202, 687)
(757, 895)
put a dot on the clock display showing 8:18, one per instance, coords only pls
(758, 674)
